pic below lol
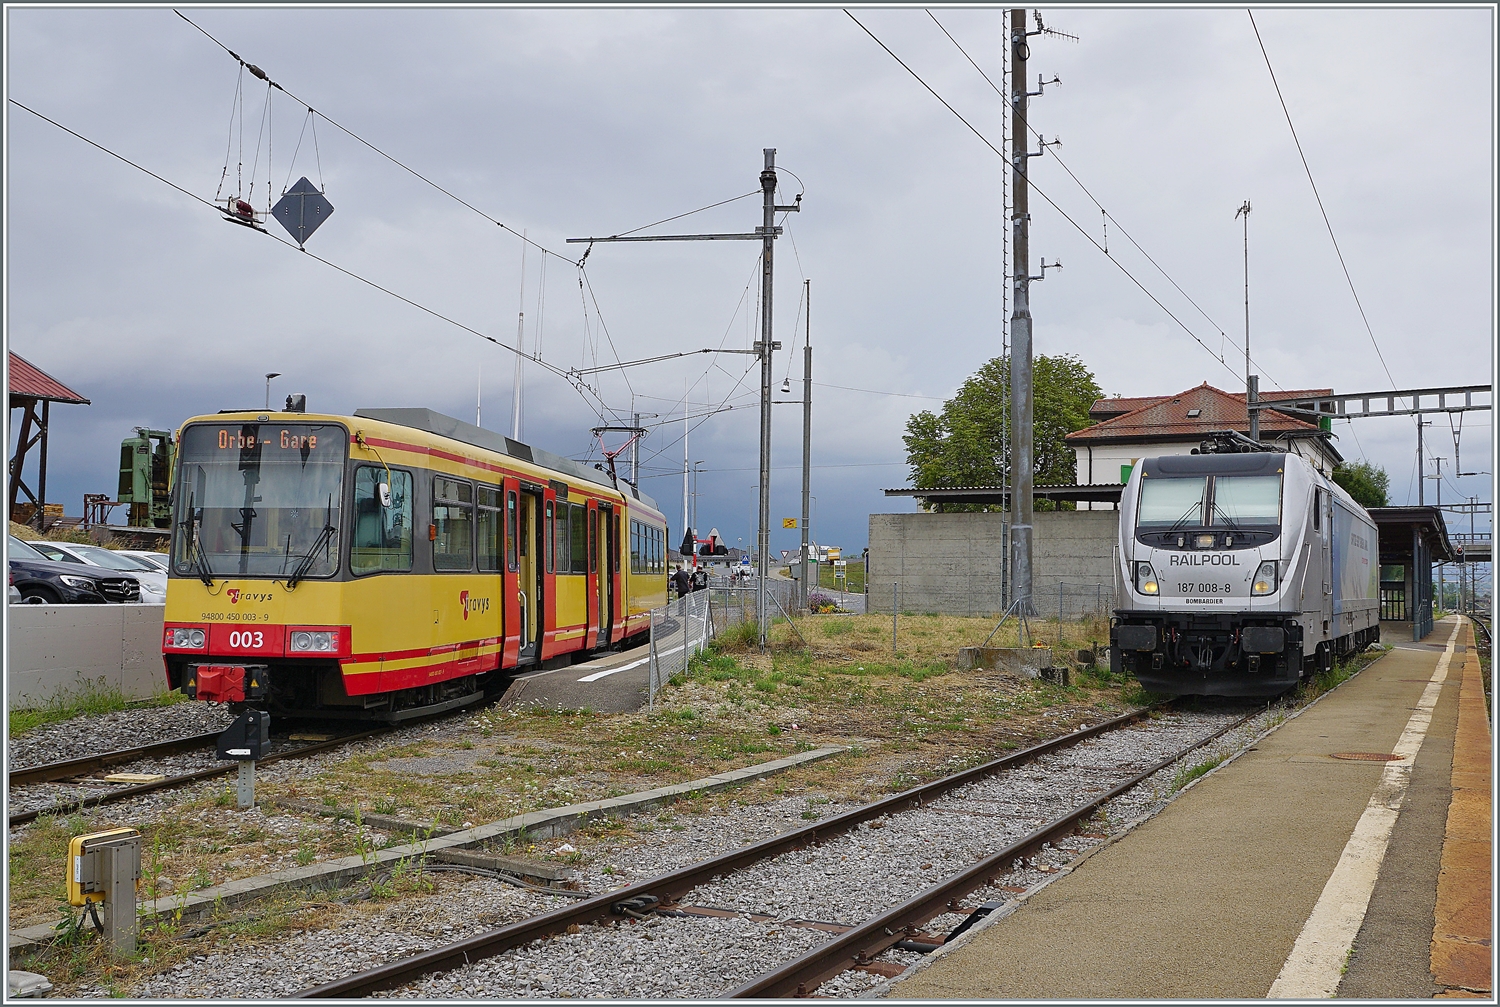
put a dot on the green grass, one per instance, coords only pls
(1188, 774)
(92, 699)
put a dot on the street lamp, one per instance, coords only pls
(272, 374)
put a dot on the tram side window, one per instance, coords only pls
(510, 532)
(578, 530)
(549, 547)
(453, 519)
(489, 529)
(382, 535)
(635, 547)
(560, 541)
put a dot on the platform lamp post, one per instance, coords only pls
(269, 376)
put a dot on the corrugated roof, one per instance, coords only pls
(30, 381)
(1166, 417)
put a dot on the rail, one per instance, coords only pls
(663, 891)
(135, 790)
(92, 763)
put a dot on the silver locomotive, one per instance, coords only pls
(1238, 572)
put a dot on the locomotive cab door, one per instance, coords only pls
(607, 572)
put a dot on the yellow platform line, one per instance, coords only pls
(1462, 929)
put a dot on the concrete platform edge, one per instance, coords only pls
(335, 873)
(885, 987)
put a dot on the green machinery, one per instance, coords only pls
(145, 477)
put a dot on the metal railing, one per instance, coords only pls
(679, 630)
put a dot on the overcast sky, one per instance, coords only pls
(568, 123)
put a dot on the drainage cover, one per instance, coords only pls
(1367, 756)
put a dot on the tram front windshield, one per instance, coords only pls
(259, 500)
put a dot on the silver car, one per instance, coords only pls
(156, 559)
(153, 580)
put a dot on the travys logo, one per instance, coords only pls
(472, 604)
(235, 594)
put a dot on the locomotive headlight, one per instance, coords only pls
(186, 639)
(1265, 578)
(312, 641)
(1145, 579)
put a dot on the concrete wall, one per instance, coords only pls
(52, 649)
(951, 563)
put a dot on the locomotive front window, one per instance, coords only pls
(1247, 500)
(1168, 502)
(259, 500)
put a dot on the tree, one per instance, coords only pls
(1367, 484)
(961, 445)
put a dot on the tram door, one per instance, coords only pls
(529, 594)
(515, 600)
(592, 582)
(609, 549)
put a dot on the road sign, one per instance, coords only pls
(840, 562)
(788, 522)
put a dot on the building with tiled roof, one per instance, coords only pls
(1128, 429)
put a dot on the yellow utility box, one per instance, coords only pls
(87, 873)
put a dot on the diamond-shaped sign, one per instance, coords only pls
(302, 210)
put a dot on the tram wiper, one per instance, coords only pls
(312, 554)
(200, 561)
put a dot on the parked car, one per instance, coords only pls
(41, 580)
(13, 595)
(153, 581)
(156, 559)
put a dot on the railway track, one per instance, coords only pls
(71, 768)
(79, 767)
(851, 945)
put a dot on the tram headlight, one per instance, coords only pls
(1145, 579)
(186, 638)
(1265, 578)
(314, 641)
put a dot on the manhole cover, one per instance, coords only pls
(1367, 756)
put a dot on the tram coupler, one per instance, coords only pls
(245, 741)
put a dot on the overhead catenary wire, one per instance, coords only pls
(1316, 195)
(553, 368)
(389, 157)
(1106, 216)
(1050, 201)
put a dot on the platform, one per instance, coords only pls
(1286, 873)
(613, 683)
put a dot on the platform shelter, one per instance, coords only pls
(1411, 540)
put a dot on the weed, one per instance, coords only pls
(1188, 774)
(91, 699)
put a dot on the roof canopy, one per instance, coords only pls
(1397, 525)
(28, 381)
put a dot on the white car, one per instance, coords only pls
(153, 579)
(156, 559)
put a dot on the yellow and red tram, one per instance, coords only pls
(386, 564)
